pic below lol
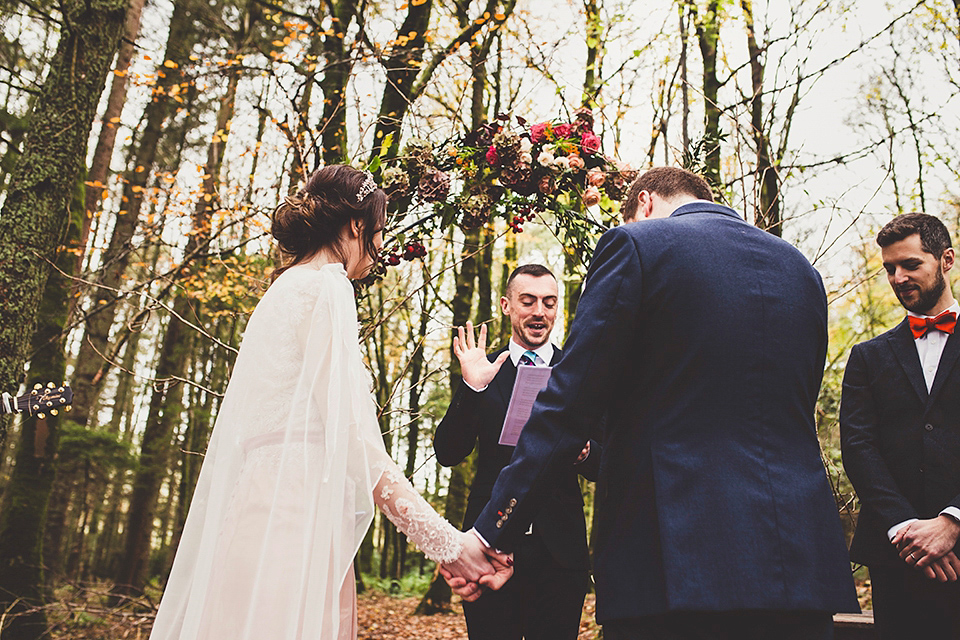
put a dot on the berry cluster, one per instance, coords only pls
(525, 213)
(411, 251)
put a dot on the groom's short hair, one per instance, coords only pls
(666, 182)
(934, 237)
(535, 270)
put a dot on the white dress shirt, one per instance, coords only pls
(544, 357)
(930, 349)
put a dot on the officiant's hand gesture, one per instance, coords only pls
(477, 371)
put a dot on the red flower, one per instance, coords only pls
(563, 130)
(589, 142)
(538, 132)
(492, 156)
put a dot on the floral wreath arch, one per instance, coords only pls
(551, 171)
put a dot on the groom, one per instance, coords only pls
(703, 339)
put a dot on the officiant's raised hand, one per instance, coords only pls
(478, 568)
(476, 370)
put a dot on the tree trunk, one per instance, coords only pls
(708, 34)
(32, 223)
(335, 79)
(438, 596)
(768, 214)
(166, 401)
(109, 123)
(91, 368)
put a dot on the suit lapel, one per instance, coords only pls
(503, 381)
(905, 349)
(951, 351)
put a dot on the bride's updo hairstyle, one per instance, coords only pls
(313, 219)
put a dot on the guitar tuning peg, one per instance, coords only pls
(63, 401)
(53, 412)
(50, 385)
(37, 386)
(68, 408)
(60, 389)
(41, 416)
(36, 408)
(49, 404)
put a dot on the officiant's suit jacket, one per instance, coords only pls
(476, 419)
(901, 445)
(704, 339)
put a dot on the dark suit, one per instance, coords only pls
(703, 338)
(901, 451)
(545, 596)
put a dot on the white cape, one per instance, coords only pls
(285, 494)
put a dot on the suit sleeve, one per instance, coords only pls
(457, 433)
(578, 390)
(862, 460)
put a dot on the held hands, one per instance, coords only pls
(478, 568)
(927, 546)
(476, 370)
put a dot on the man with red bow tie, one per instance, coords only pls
(900, 433)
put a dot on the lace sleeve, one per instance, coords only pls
(412, 515)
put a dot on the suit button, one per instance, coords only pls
(513, 502)
(509, 509)
(499, 524)
(923, 468)
(928, 427)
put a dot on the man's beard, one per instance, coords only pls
(928, 298)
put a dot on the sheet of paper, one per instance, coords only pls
(528, 385)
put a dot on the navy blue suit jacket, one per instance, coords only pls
(476, 419)
(901, 445)
(704, 339)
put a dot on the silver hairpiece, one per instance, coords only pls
(367, 187)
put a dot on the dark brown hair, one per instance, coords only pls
(535, 270)
(314, 218)
(934, 237)
(666, 182)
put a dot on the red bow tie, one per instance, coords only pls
(946, 322)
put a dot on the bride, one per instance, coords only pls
(296, 462)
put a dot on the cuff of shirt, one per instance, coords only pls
(470, 386)
(892, 531)
(480, 537)
(953, 512)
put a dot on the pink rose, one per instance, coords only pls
(589, 142)
(492, 156)
(591, 196)
(563, 131)
(596, 177)
(576, 162)
(538, 132)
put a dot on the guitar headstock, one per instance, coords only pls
(40, 400)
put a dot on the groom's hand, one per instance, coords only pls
(477, 371)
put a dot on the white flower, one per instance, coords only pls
(525, 157)
(562, 163)
(545, 158)
(525, 145)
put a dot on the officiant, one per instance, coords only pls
(544, 598)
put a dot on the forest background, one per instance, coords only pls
(143, 146)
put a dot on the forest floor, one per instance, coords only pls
(80, 615)
(385, 617)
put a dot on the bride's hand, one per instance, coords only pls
(477, 568)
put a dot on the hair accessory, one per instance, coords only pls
(367, 187)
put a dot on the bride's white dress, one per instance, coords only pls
(292, 474)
